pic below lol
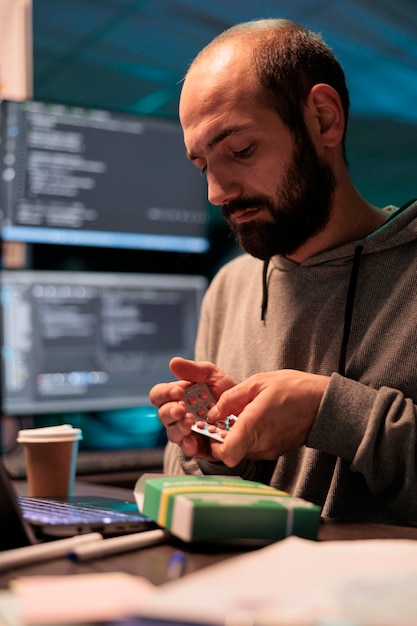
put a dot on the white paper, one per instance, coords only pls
(302, 582)
(79, 598)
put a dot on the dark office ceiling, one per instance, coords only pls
(130, 55)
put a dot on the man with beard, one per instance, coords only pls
(309, 337)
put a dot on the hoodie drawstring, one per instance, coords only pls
(350, 299)
(264, 304)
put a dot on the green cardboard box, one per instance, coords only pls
(217, 508)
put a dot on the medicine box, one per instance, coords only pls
(218, 508)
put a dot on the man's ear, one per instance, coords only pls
(324, 115)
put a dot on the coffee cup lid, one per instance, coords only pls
(63, 432)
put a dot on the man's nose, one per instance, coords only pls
(221, 190)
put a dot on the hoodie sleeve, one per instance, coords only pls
(375, 431)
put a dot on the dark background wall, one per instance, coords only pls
(130, 55)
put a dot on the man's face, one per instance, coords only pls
(299, 209)
(274, 190)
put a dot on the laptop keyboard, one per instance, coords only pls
(46, 511)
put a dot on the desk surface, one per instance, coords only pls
(151, 562)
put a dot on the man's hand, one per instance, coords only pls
(276, 412)
(169, 399)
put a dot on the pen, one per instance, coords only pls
(44, 551)
(114, 545)
(176, 565)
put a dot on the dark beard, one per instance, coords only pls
(300, 209)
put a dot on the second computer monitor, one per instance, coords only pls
(83, 341)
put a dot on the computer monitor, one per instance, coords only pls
(92, 177)
(84, 341)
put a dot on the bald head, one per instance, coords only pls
(282, 61)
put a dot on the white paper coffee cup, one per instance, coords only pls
(51, 459)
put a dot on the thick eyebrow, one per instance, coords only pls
(221, 136)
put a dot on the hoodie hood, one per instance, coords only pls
(398, 229)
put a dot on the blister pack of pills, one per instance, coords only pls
(199, 399)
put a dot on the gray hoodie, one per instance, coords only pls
(349, 313)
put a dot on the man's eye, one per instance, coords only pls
(244, 153)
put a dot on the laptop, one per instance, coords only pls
(27, 520)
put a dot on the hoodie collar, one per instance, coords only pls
(399, 228)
